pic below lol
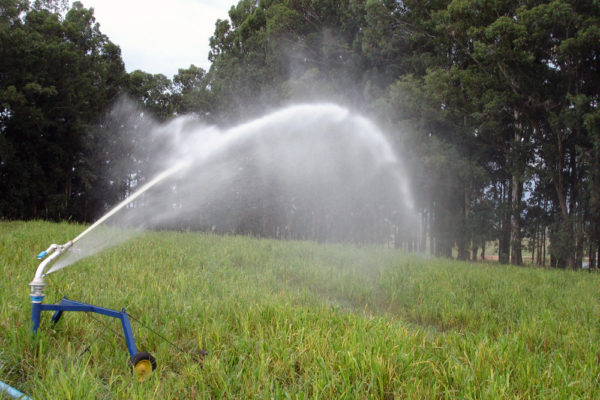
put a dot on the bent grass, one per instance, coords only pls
(296, 320)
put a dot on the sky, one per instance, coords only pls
(157, 38)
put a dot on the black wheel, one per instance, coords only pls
(143, 364)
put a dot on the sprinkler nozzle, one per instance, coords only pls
(47, 251)
(37, 284)
(54, 251)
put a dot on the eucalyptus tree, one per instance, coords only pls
(58, 77)
(274, 51)
(190, 91)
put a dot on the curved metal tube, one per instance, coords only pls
(55, 251)
(37, 284)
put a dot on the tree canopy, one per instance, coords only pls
(494, 107)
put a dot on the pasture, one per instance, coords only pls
(295, 320)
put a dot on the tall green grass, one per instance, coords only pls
(296, 320)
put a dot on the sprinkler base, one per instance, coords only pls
(71, 305)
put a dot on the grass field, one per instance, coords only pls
(296, 320)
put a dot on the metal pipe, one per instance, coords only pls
(66, 305)
(12, 392)
(36, 311)
(55, 251)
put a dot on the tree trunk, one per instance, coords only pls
(432, 217)
(463, 242)
(544, 247)
(533, 245)
(517, 166)
(474, 252)
(68, 191)
(424, 228)
(483, 250)
(579, 245)
(539, 244)
(504, 241)
(515, 227)
(561, 193)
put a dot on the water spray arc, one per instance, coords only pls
(143, 363)
(307, 171)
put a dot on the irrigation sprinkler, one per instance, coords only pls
(143, 363)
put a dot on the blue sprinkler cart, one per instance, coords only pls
(142, 363)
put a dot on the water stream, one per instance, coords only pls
(309, 171)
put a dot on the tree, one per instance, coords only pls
(59, 77)
(191, 92)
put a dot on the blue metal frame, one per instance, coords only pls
(71, 305)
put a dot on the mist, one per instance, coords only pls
(310, 172)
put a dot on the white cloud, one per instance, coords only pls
(157, 38)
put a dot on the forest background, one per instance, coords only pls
(492, 105)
